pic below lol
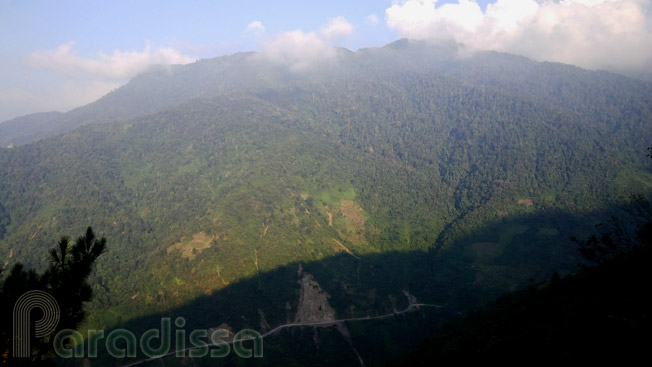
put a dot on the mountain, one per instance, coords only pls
(162, 88)
(599, 311)
(412, 168)
(28, 128)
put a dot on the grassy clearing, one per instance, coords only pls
(334, 197)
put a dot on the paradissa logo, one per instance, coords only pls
(22, 323)
(123, 343)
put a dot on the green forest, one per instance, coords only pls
(400, 169)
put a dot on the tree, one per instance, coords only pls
(66, 279)
(620, 237)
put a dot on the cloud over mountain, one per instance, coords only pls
(337, 28)
(597, 34)
(302, 50)
(297, 49)
(76, 79)
(119, 65)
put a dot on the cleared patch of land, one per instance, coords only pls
(526, 202)
(190, 247)
(353, 213)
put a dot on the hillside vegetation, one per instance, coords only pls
(454, 178)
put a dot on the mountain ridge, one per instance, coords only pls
(166, 86)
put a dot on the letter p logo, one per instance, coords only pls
(22, 320)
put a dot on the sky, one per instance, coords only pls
(58, 55)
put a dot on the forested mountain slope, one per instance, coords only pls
(474, 169)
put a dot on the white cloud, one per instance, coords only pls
(255, 27)
(610, 34)
(372, 19)
(66, 80)
(120, 65)
(337, 29)
(305, 50)
(297, 49)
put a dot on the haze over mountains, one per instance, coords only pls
(415, 167)
(166, 86)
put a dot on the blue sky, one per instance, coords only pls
(213, 27)
(57, 55)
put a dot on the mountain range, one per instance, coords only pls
(232, 186)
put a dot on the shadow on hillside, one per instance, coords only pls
(483, 264)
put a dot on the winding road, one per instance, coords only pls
(409, 308)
